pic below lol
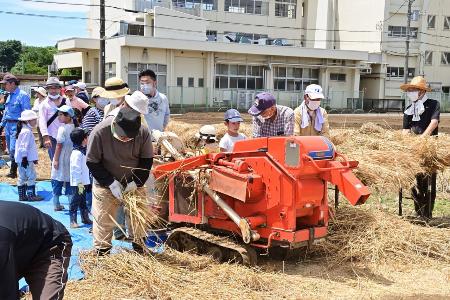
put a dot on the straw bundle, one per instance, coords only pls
(371, 235)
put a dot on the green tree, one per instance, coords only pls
(10, 51)
(34, 60)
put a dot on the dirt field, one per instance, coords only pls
(393, 121)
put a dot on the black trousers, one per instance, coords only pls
(424, 194)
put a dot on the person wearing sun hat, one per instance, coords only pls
(40, 95)
(119, 156)
(115, 90)
(310, 118)
(421, 117)
(270, 119)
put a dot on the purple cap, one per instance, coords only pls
(8, 77)
(263, 101)
(233, 115)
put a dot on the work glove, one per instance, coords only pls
(80, 189)
(116, 189)
(131, 187)
(24, 163)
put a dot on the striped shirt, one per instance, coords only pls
(92, 118)
(283, 125)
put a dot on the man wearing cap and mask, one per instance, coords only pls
(48, 114)
(40, 95)
(310, 118)
(15, 104)
(270, 119)
(421, 117)
(119, 156)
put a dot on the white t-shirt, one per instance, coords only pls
(227, 142)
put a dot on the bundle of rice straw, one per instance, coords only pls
(142, 217)
(371, 235)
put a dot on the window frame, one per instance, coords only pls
(239, 76)
(160, 70)
(428, 59)
(295, 81)
(433, 18)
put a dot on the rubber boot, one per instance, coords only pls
(12, 170)
(73, 219)
(32, 194)
(56, 205)
(85, 216)
(137, 248)
(22, 191)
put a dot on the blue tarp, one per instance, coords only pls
(81, 237)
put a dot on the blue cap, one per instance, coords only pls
(263, 101)
(67, 109)
(233, 115)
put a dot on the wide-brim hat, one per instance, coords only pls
(127, 122)
(138, 101)
(41, 91)
(28, 115)
(97, 92)
(115, 88)
(417, 82)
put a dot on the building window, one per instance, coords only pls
(431, 22)
(110, 70)
(400, 31)
(244, 38)
(445, 60)
(180, 81)
(399, 72)
(190, 4)
(239, 77)
(338, 77)
(294, 79)
(428, 58)
(211, 35)
(286, 8)
(255, 7)
(87, 77)
(131, 29)
(200, 82)
(446, 89)
(446, 23)
(160, 70)
(191, 82)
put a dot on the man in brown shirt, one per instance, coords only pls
(119, 156)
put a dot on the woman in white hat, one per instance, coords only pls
(40, 95)
(115, 90)
(26, 156)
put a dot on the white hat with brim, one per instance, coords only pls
(314, 92)
(28, 115)
(138, 101)
(41, 91)
(207, 132)
(115, 88)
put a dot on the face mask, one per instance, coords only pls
(313, 105)
(147, 88)
(102, 102)
(53, 97)
(413, 96)
(113, 101)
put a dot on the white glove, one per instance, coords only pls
(131, 187)
(157, 135)
(116, 189)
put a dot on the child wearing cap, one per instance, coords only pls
(26, 156)
(233, 122)
(80, 182)
(60, 174)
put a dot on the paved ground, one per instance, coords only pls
(393, 121)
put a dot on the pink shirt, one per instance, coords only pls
(46, 110)
(78, 103)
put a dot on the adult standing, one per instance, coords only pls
(158, 106)
(421, 117)
(119, 156)
(17, 101)
(310, 118)
(40, 95)
(115, 91)
(33, 246)
(80, 90)
(48, 114)
(96, 113)
(270, 119)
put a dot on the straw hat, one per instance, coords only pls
(417, 82)
(115, 88)
(97, 92)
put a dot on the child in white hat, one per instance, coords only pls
(26, 156)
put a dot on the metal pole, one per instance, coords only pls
(102, 43)
(408, 34)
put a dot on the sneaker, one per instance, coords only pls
(34, 198)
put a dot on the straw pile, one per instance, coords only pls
(371, 235)
(387, 159)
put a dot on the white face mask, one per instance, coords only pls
(102, 102)
(147, 88)
(53, 97)
(313, 105)
(413, 96)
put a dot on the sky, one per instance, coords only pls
(41, 31)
